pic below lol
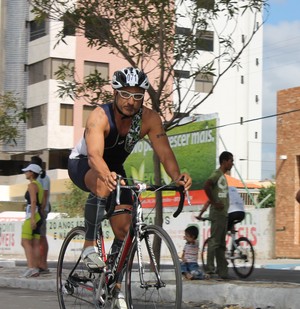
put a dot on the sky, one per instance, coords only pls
(281, 69)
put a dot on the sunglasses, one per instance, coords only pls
(127, 95)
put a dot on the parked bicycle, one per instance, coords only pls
(147, 259)
(239, 252)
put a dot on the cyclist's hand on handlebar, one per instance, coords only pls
(185, 180)
(111, 181)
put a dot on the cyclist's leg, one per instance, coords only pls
(87, 180)
(235, 217)
(93, 214)
(120, 223)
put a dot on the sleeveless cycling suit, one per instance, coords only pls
(116, 148)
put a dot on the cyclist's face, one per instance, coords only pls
(129, 99)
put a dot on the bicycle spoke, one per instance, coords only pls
(160, 282)
(243, 257)
(75, 284)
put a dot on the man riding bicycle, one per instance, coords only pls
(111, 132)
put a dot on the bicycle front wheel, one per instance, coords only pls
(158, 283)
(74, 282)
(242, 257)
(204, 253)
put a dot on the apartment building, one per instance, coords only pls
(29, 62)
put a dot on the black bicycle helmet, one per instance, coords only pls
(130, 77)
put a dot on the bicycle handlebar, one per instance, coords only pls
(141, 187)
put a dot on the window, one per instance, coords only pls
(256, 135)
(205, 4)
(37, 72)
(242, 79)
(97, 28)
(181, 74)
(205, 40)
(203, 83)
(66, 114)
(90, 68)
(37, 116)
(57, 63)
(69, 25)
(37, 29)
(46, 69)
(183, 31)
(87, 109)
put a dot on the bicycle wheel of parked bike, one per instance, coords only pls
(243, 258)
(204, 255)
(74, 281)
(160, 285)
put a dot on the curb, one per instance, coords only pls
(7, 264)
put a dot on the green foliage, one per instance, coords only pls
(12, 112)
(72, 202)
(146, 33)
(263, 193)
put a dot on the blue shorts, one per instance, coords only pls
(192, 268)
(77, 169)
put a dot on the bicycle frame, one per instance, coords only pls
(138, 261)
(135, 231)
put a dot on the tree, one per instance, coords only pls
(12, 112)
(160, 38)
(72, 203)
(264, 193)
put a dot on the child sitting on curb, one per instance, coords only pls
(189, 266)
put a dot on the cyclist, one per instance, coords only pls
(111, 132)
(236, 211)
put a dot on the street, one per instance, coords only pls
(12, 298)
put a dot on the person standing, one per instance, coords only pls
(216, 189)
(31, 227)
(111, 132)
(45, 209)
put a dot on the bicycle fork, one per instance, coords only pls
(153, 264)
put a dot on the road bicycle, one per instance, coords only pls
(239, 251)
(147, 263)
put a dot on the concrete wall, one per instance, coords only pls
(258, 226)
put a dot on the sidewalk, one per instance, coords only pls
(247, 294)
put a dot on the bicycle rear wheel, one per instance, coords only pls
(162, 285)
(204, 255)
(242, 257)
(75, 284)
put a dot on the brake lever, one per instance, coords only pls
(118, 189)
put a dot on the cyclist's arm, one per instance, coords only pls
(203, 210)
(96, 126)
(161, 146)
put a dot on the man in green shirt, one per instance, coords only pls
(216, 188)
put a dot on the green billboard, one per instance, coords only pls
(194, 145)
